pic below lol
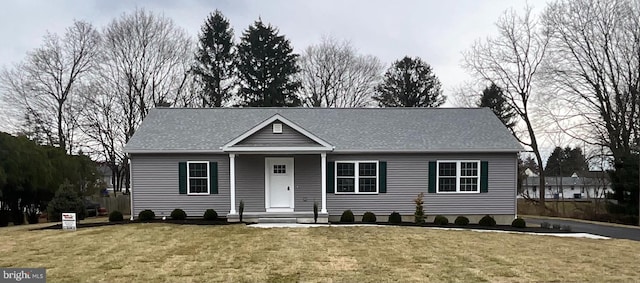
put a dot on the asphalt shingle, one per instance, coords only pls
(348, 129)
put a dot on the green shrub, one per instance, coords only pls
(419, 214)
(347, 217)
(4, 218)
(461, 220)
(210, 215)
(440, 220)
(66, 199)
(178, 214)
(395, 218)
(33, 217)
(17, 217)
(315, 212)
(487, 220)
(369, 217)
(545, 225)
(241, 209)
(146, 215)
(115, 216)
(518, 223)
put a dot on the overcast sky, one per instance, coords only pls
(436, 31)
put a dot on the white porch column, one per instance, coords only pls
(232, 182)
(323, 165)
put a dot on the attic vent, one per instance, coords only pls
(277, 128)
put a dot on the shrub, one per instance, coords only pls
(66, 199)
(440, 220)
(347, 217)
(518, 223)
(146, 215)
(369, 217)
(315, 212)
(4, 218)
(33, 217)
(545, 225)
(461, 220)
(395, 218)
(115, 216)
(419, 214)
(17, 217)
(556, 226)
(566, 228)
(178, 214)
(210, 215)
(241, 209)
(487, 220)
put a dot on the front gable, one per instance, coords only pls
(277, 134)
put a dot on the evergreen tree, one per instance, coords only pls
(565, 162)
(266, 68)
(409, 82)
(493, 98)
(214, 60)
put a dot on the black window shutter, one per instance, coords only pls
(330, 175)
(213, 178)
(182, 178)
(484, 176)
(432, 177)
(383, 177)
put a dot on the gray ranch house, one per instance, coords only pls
(280, 161)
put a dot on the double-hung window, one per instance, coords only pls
(356, 177)
(458, 177)
(198, 177)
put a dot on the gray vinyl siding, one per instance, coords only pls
(266, 137)
(155, 185)
(250, 182)
(308, 178)
(407, 176)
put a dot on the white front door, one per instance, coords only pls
(279, 184)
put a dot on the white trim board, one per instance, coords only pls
(230, 146)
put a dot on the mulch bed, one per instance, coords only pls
(470, 226)
(79, 225)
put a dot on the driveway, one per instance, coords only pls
(631, 233)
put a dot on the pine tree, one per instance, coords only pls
(266, 68)
(563, 162)
(493, 98)
(410, 82)
(214, 60)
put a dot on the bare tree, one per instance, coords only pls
(144, 63)
(512, 61)
(43, 87)
(594, 65)
(334, 75)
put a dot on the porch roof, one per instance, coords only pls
(346, 129)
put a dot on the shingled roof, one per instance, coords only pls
(346, 129)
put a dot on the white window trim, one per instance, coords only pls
(356, 182)
(458, 173)
(189, 178)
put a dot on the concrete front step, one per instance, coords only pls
(277, 220)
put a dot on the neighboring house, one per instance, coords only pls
(106, 174)
(593, 185)
(280, 161)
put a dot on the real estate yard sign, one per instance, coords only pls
(69, 221)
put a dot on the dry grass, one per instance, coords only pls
(235, 253)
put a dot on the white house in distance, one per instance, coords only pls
(591, 185)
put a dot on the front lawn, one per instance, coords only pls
(236, 253)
